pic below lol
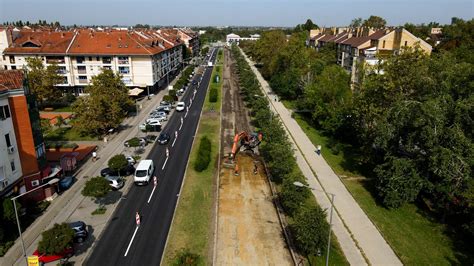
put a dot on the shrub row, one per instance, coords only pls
(213, 94)
(204, 155)
(309, 227)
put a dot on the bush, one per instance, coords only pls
(310, 230)
(204, 155)
(96, 187)
(100, 210)
(185, 257)
(213, 95)
(56, 239)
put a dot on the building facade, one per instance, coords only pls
(236, 39)
(144, 58)
(23, 164)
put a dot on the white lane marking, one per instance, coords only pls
(151, 195)
(186, 114)
(164, 163)
(180, 126)
(172, 145)
(131, 241)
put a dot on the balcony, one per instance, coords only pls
(55, 60)
(82, 79)
(106, 60)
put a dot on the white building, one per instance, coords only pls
(234, 38)
(10, 166)
(143, 58)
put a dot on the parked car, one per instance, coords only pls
(130, 159)
(150, 127)
(141, 142)
(165, 109)
(66, 182)
(116, 182)
(43, 258)
(80, 231)
(166, 104)
(158, 118)
(128, 170)
(160, 113)
(153, 121)
(180, 106)
(164, 138)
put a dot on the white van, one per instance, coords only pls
(143, 172)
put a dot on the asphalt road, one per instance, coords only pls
(156, 216)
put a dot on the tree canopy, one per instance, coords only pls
(56, 239)
(375, 22)
(96, 187)
(118, 163)
(42, 80)
(106, 105)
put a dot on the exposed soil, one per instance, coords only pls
(248, 230)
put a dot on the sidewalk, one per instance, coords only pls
(72, 206)
(354, 230)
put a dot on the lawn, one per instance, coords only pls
(191, 228)
(415, 237)
(66, 134)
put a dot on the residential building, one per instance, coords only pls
(365, 46)
(190, 39)
(234, 38)
(23, 164)
(144, 58)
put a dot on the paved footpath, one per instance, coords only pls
(72, 206)
(354, 230)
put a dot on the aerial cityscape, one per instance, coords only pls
(237, 132)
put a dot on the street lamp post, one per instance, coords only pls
(299, 184)
(51, 182)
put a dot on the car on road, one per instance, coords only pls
(80, 231)
(116, 182)
(195, 82)
(144, 171)
(164, 138)
(44, 258)
(128, 170)
(180, 106)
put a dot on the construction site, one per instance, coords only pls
(249, 231)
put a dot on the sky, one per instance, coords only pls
(233, 12)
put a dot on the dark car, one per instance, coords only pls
(66, 182)
(127, 171)
(80, 231)
(195, 82)
(164, 138)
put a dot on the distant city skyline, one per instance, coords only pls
(279, 13)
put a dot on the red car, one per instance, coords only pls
(67, 253)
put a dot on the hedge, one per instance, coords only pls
(213, 95)
(204, 155)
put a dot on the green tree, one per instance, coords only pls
(293, 197)
(310, 230)
(205, 50)
(59, 121)
(117, 163)
(374, 22)
(96, 187)
(9, 210)
(42, 80)
(309, 25)
(356, 22)
(56, 239)
(105, 107)
(398, 181)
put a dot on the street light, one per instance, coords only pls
(50, 182)
(299, 184)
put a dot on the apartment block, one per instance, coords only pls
(23, 164)
(190, 39)
(144, 58)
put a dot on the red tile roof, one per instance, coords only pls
(42, 42)
(378, 34)
(11, 79)
(356, 41)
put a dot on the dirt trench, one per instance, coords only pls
(248, 230)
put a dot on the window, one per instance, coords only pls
(383, 44)
(7, 140)
(13, 67)
(35, 183)
(4, 112)
(80, 59)
(124, 70)
(12, 165)
(106, 60)
(82, 79)
(90, 58)
(81, 69)
(107, 67)
(61, 70)
(406, 43)
(4, 58)
(64, 80)
(123, 60)
(12, 60)
(97, 59)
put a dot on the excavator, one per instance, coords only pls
(243, 141)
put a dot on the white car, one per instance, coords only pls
(130, 159)
(180, 106)
(158, 117)
(153, 122)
